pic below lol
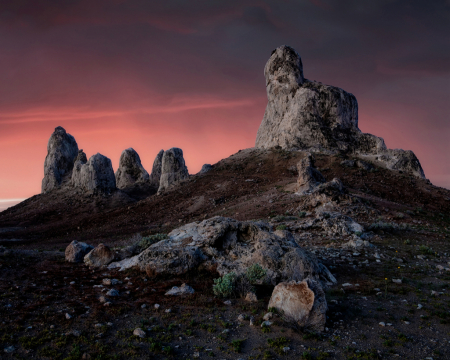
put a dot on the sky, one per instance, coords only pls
(159, 74)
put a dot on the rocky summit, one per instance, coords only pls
(308, 115)
(318, 243)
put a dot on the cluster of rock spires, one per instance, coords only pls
(308, 115)
(65, 165)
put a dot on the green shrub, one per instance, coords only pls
(237, 345)
(150, 240)
(426, 250)
(302, 214)
(255, 273)
(281, 227)
(224, 286)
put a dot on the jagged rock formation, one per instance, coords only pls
(303, 303)
(130, 171)
(95, 175)
(308, 115)
(229, 245)
(156, 170)
(62, 149)
(173, 168)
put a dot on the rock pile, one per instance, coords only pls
(173, 169)
(308, 176)
(308, 115)
(130, 171)
(62, 150)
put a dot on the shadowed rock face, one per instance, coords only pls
(62, 150)
(130, 170)
(173, 168)
(156, 169)
(95, 175)
(308, 115)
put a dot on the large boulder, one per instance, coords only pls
(156, 170)
(173, 169)
(130, 171)
(95, 175)
(99, 256)
(62, 150)
(76, 251)
(301, 302)
(227, 245)
(308, 115)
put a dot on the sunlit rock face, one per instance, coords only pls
(308, 115)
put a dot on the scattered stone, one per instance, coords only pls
(268, 316)
(266, 323)
(301, 302)
(106, 281)
(143, 306)
(252, 321)
(173, 169)
(397, 281)
(347, 285)
(241, 317)
(227, 302)
(419, 306)
(76, 251)
(251, 297)
(168, 310)
(112, 292)
(382, 324)
(102, 299)
(62, 150)
(182, 290)
(139, 333)
(86, 356)
(286, 349)
(99, 256)
(196, 355)
(130, 170)
(68, 316)
(156, 306)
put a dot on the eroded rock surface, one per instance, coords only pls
(130, 171)
(62, 150)
(205, 168)
(173, 168)
(308, 115)
(301, 302)
(229, 245)
(95, 175)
